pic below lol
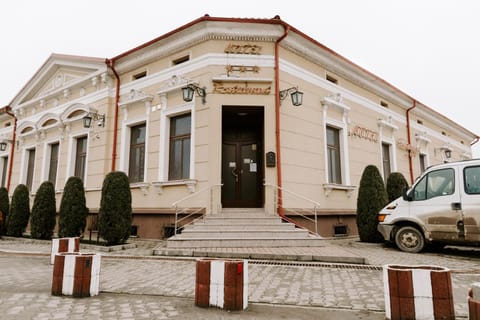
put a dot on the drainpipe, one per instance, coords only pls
(110, 63)
(410, 164)
(277, 118)
(12, 148)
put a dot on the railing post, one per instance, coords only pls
(176, 220)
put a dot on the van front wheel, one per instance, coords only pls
(409, 239)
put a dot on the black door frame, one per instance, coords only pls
(241, 126)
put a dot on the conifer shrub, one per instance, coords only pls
(115, 215)
(19, 211)
(44, 210)
(4, 209)
(396, 183)
(372, 197)
(72, 216)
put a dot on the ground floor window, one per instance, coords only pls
(179, 152)
(81, 157)
(333, 155)
(136, 163)
(386, 160)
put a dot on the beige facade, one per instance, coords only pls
(349, 119)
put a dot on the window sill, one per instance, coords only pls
(329, 187)
(189, 183)
(144, 186)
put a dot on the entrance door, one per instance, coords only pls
(242, 167)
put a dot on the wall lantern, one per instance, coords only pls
(297, 96)
(93, 116)
(189, 91)
(3, 144)
(448, 153)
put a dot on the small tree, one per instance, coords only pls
(72, 217)
(43, 212)
(372, 197)
(396, 183)
(19, 211)
(115, 215)
(4, 208)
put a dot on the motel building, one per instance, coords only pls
(221, 116)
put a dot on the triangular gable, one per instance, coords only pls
(59, 71)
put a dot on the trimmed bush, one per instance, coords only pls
(44, 210)
(372, 197)
(396, 182)
(115, 215)
(4, 208)
(72, 217)
(19, 211)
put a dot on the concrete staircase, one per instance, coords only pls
(242, 228)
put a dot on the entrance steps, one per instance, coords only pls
(242, 228)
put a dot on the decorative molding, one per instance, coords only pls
(335, 100)
(422, 137)
(189, 183)
(329, 187)
(135, 96)
(387, 123)
(143, 186)
(226, 78)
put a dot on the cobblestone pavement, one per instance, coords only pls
(140, 277)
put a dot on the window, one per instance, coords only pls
(137, 153)
(30, 168)
(331, 79)
(179, 155)
(387, 166)
(181, 60)
(423, 161)
(471, 176)
(139, 75)
(435, 184)
(4, 164)
(333, 155)
(52, 169)
(80, 157)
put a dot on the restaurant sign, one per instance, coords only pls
(219, 87)
(364, 133)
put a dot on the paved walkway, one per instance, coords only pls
(148, 285)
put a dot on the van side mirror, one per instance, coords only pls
(406, 196)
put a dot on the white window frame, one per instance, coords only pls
(72, 154)
(164, 154)
(24, 165)
(5, 159)
(125, 147)
(47, 153)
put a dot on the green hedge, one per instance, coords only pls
(372, 197)
(43, 212)
(19, 211)
(72, 217)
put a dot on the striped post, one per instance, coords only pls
(222, 283)
(64, 245)
(418, 292)
(474, 302)
(76, 274)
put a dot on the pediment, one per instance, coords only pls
(57, 73)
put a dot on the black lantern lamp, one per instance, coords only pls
(190, 90)
(295, 95)
(93, 116)
(3, 144)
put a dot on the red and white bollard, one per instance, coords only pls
(64, 245)
(474, 302)
(76, 274)
(222, 283)
(418, 292)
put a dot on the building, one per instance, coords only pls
(246, 138)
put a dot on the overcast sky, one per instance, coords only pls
(429, 49)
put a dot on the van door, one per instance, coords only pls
(471, 203)
(436, 201)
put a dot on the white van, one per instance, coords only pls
(442, 207)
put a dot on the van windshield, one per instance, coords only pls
(435, 184)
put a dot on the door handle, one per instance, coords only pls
(456, 206)
(235, 174)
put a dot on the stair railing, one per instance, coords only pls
(187, 212)
(296, 211)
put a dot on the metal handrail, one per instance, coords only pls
(190, 209)
(315, 206)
